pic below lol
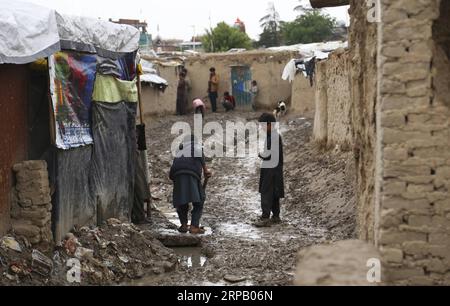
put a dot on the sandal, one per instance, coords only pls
(183, 229)
(197, 230)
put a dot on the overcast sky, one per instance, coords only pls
(178, 18)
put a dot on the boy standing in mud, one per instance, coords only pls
(271, 184)
(186, 174)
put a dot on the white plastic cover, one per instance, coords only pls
(308, 50)
(153, 78)
(97, 36)
(27, 32)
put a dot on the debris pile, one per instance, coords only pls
(111, 254)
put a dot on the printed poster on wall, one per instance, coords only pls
(72, 77)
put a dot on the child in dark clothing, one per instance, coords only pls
(271, 184)
(186, 174)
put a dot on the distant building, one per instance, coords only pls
(146, 38)
(191, 46)
(240, 25)
(167, 45)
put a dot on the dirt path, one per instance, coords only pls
(319, 207)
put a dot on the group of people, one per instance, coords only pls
(228, 101)
(189, 167)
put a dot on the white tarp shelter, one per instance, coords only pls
(153, 78)
(29, 32)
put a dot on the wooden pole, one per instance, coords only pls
(143, 154)
(141, 115)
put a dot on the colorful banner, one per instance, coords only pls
(72, 77)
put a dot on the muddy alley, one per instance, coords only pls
(319, 207)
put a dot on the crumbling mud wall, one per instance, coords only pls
(339, 102)
(303, 96)
(154, 102)
(266, 68)
(333, 103)
(363, 94)
(31, 207)
(414, 145)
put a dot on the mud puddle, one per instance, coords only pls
(191, 257)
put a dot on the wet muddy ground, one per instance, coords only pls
(319, 207)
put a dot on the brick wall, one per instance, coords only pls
(414, 147)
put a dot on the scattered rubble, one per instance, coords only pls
(111, 254)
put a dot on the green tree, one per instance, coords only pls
(271, 35)
(223, 38)
(310, 27)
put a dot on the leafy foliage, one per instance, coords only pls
(224, 37)
(310, 27)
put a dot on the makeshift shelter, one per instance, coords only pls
(87, 132)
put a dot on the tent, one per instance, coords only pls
(92, 84)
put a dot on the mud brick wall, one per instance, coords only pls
(333, 103)
(31, 208)
(339, 102)
(266, 68)
(303, 96)
(414, 144)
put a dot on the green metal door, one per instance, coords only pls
(241, 79)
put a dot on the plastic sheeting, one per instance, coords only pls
(114, 159)
(27, 32)
(97, 182)
(96, 36)
(123, 68)
(289, 71)
(73, 202)
(310, 50)
(154, 79)
(112, 90)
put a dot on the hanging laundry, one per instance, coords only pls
(311, 70)
(307, 67)
(289, 71)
